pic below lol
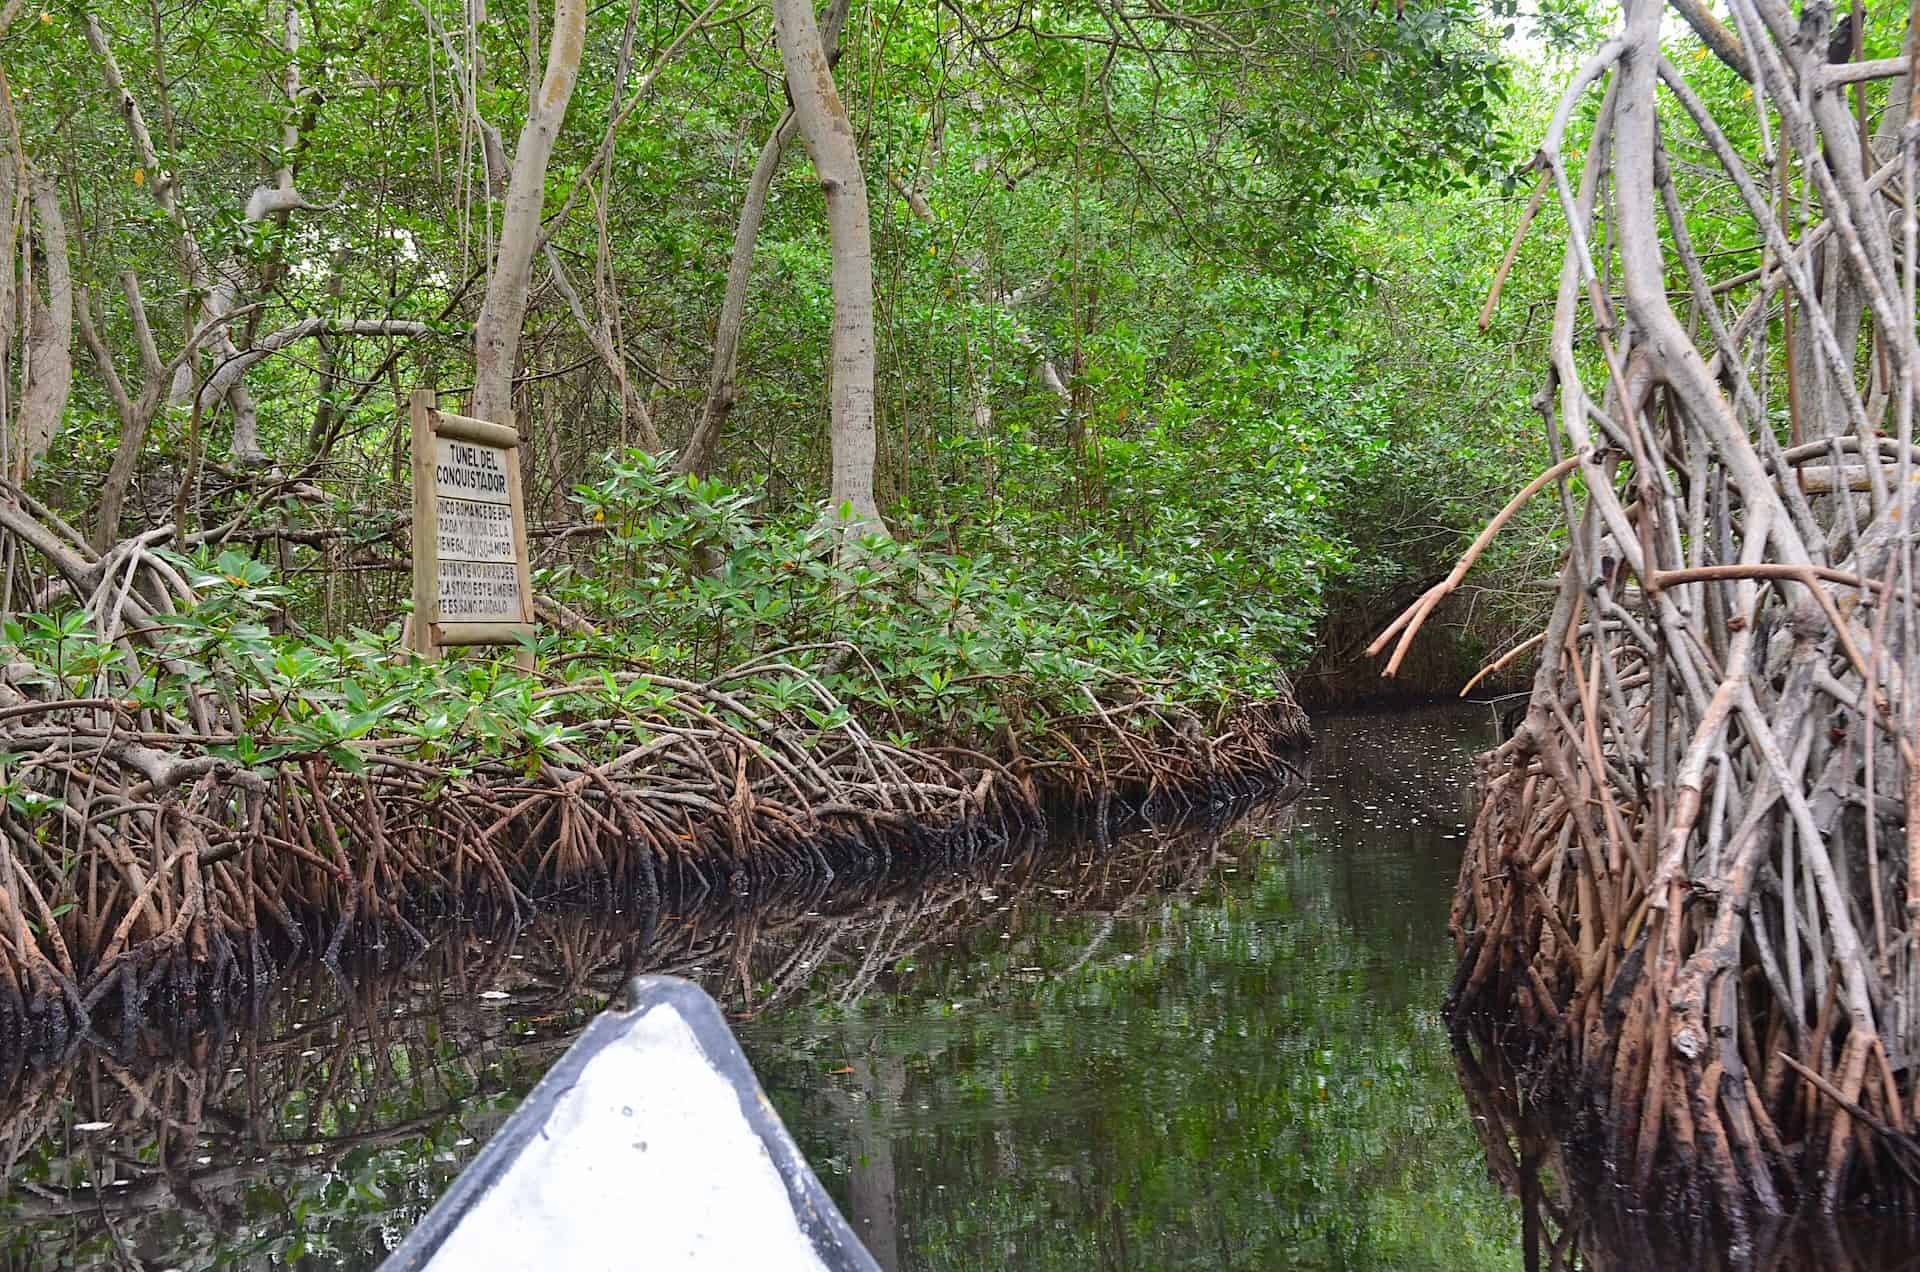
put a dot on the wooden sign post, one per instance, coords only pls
(471, 583)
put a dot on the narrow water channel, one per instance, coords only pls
(1241, 1066)
(1199, 1048)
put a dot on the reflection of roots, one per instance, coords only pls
(1576, 1214)
(1661, 1048)
(315, 1067)
(154, 879)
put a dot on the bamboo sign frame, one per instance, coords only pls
(471, 578)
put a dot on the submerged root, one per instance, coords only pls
(1661, 1061)
(320, 1068)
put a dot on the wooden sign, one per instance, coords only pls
(470, 576)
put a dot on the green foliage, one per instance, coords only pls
(1165, 218)
(701, 581)
(1174, 355)
(936, 645)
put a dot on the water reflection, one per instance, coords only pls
(1581, 1216)
(1242, 1067)
(1185, 1049)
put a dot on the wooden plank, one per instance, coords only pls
(464, 428)
(523, 659)
(471, 473)
(480, 633)
(426, 528)
(426, 633)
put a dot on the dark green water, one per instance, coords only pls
(1186, 1050)
(1240, 1067)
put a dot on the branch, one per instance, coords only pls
(639, 94)
(227, 376)
(1714, 34)
(142, 331)
(495, 149)
(102, 358)
(722, 390)
(1416, 614)
(496, 335)
(632, 404)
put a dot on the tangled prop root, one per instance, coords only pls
(151, 868)
(209, 1106)
(1689, 916)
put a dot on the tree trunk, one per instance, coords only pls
(829, 137)
(497, 333)
(136, 415)
(703, 445)
(51, 337)
(599, 334)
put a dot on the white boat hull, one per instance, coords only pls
(648, 1145)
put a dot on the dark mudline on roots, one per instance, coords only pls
(838, 862)
(1556, 1076)
(1553, 1141)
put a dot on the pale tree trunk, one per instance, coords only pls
(136, 414)
(219, 287)
(497, 333)
(703, 445)
(51, 335)
(829, 137)
(599, 334)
